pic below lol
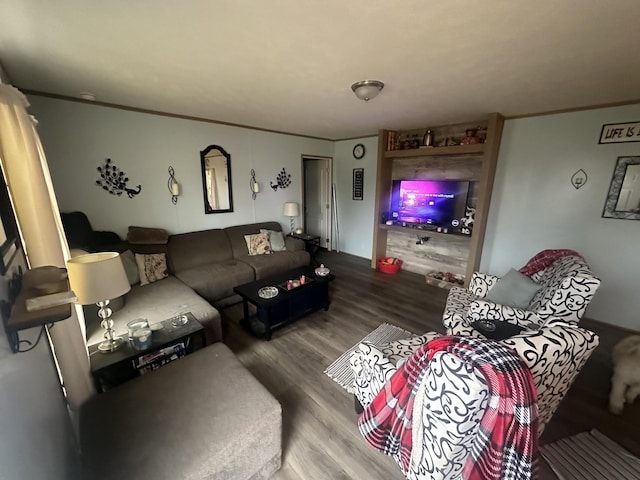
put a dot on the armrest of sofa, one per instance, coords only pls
(482, 309)
(293, 244)
(481, 283)
(371, 370)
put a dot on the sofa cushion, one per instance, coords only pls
(147, 236)
(190, 250)
(156, 302)
(201, 417)
(215, 281)
(267, 265)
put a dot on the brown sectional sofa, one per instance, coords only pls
(204, 267)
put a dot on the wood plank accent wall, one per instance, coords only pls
(457, 254)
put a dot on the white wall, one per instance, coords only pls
(78, 137)
(535, 207)
(36, 438)
(355, 217)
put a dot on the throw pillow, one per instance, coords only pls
(276, 239)
(258, 244)
(130, 266)
(514, 289)
(151, 267)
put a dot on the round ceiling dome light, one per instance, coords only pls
(367, 89)
(88, 96)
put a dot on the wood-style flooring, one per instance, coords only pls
(320, 434)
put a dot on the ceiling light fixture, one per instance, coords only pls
(367, 89)
(88, 96)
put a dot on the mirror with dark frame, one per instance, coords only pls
(216, 180)
(623, 200)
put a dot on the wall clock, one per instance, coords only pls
(358, 151)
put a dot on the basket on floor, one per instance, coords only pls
(389, 264)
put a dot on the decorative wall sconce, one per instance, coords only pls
(579, 178)
(283, 180)
(173, 185)
(253, 185)
(114, 181)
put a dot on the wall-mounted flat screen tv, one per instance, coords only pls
(433, 202)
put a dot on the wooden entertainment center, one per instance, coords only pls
(474, 162)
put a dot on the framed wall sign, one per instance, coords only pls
(358, 183)
(620, 132)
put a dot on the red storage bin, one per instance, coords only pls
(389, 264)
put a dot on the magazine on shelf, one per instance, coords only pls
(152, 361)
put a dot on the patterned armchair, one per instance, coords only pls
(453, 397)
(566, 288)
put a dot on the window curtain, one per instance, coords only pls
(29, 181)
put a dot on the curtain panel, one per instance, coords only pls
(29, 182)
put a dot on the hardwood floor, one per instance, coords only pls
(320, 434)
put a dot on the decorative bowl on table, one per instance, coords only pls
(267, 292)
(322, 271)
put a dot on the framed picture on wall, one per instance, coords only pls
(8, 228)
(358, 183)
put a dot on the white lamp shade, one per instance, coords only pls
(97, 277)
(291, 209)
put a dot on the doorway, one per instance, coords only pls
(316, 197)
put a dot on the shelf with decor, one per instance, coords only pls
(475, 149)
(39, 297)
(465, 151)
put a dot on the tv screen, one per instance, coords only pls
(434, 202)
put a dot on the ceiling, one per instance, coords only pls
(287, 65)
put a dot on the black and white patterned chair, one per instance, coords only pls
(452, 397)
(566, 288)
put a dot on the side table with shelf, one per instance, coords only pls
(311, 243)
(168, 343)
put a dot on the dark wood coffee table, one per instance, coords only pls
(286, 307)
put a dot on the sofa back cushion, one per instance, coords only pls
(236, 235)
(567, 287)
(189, 250)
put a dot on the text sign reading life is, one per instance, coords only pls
(620, 132)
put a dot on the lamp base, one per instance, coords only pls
(111, 345)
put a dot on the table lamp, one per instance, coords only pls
(291, 210)
(98, 278)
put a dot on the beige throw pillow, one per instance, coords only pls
(258, 244)
(151, 267)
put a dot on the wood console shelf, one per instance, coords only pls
(474, 162)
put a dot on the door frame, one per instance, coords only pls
(329, 188)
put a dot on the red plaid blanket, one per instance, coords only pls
(506, 441)
(545, 258)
